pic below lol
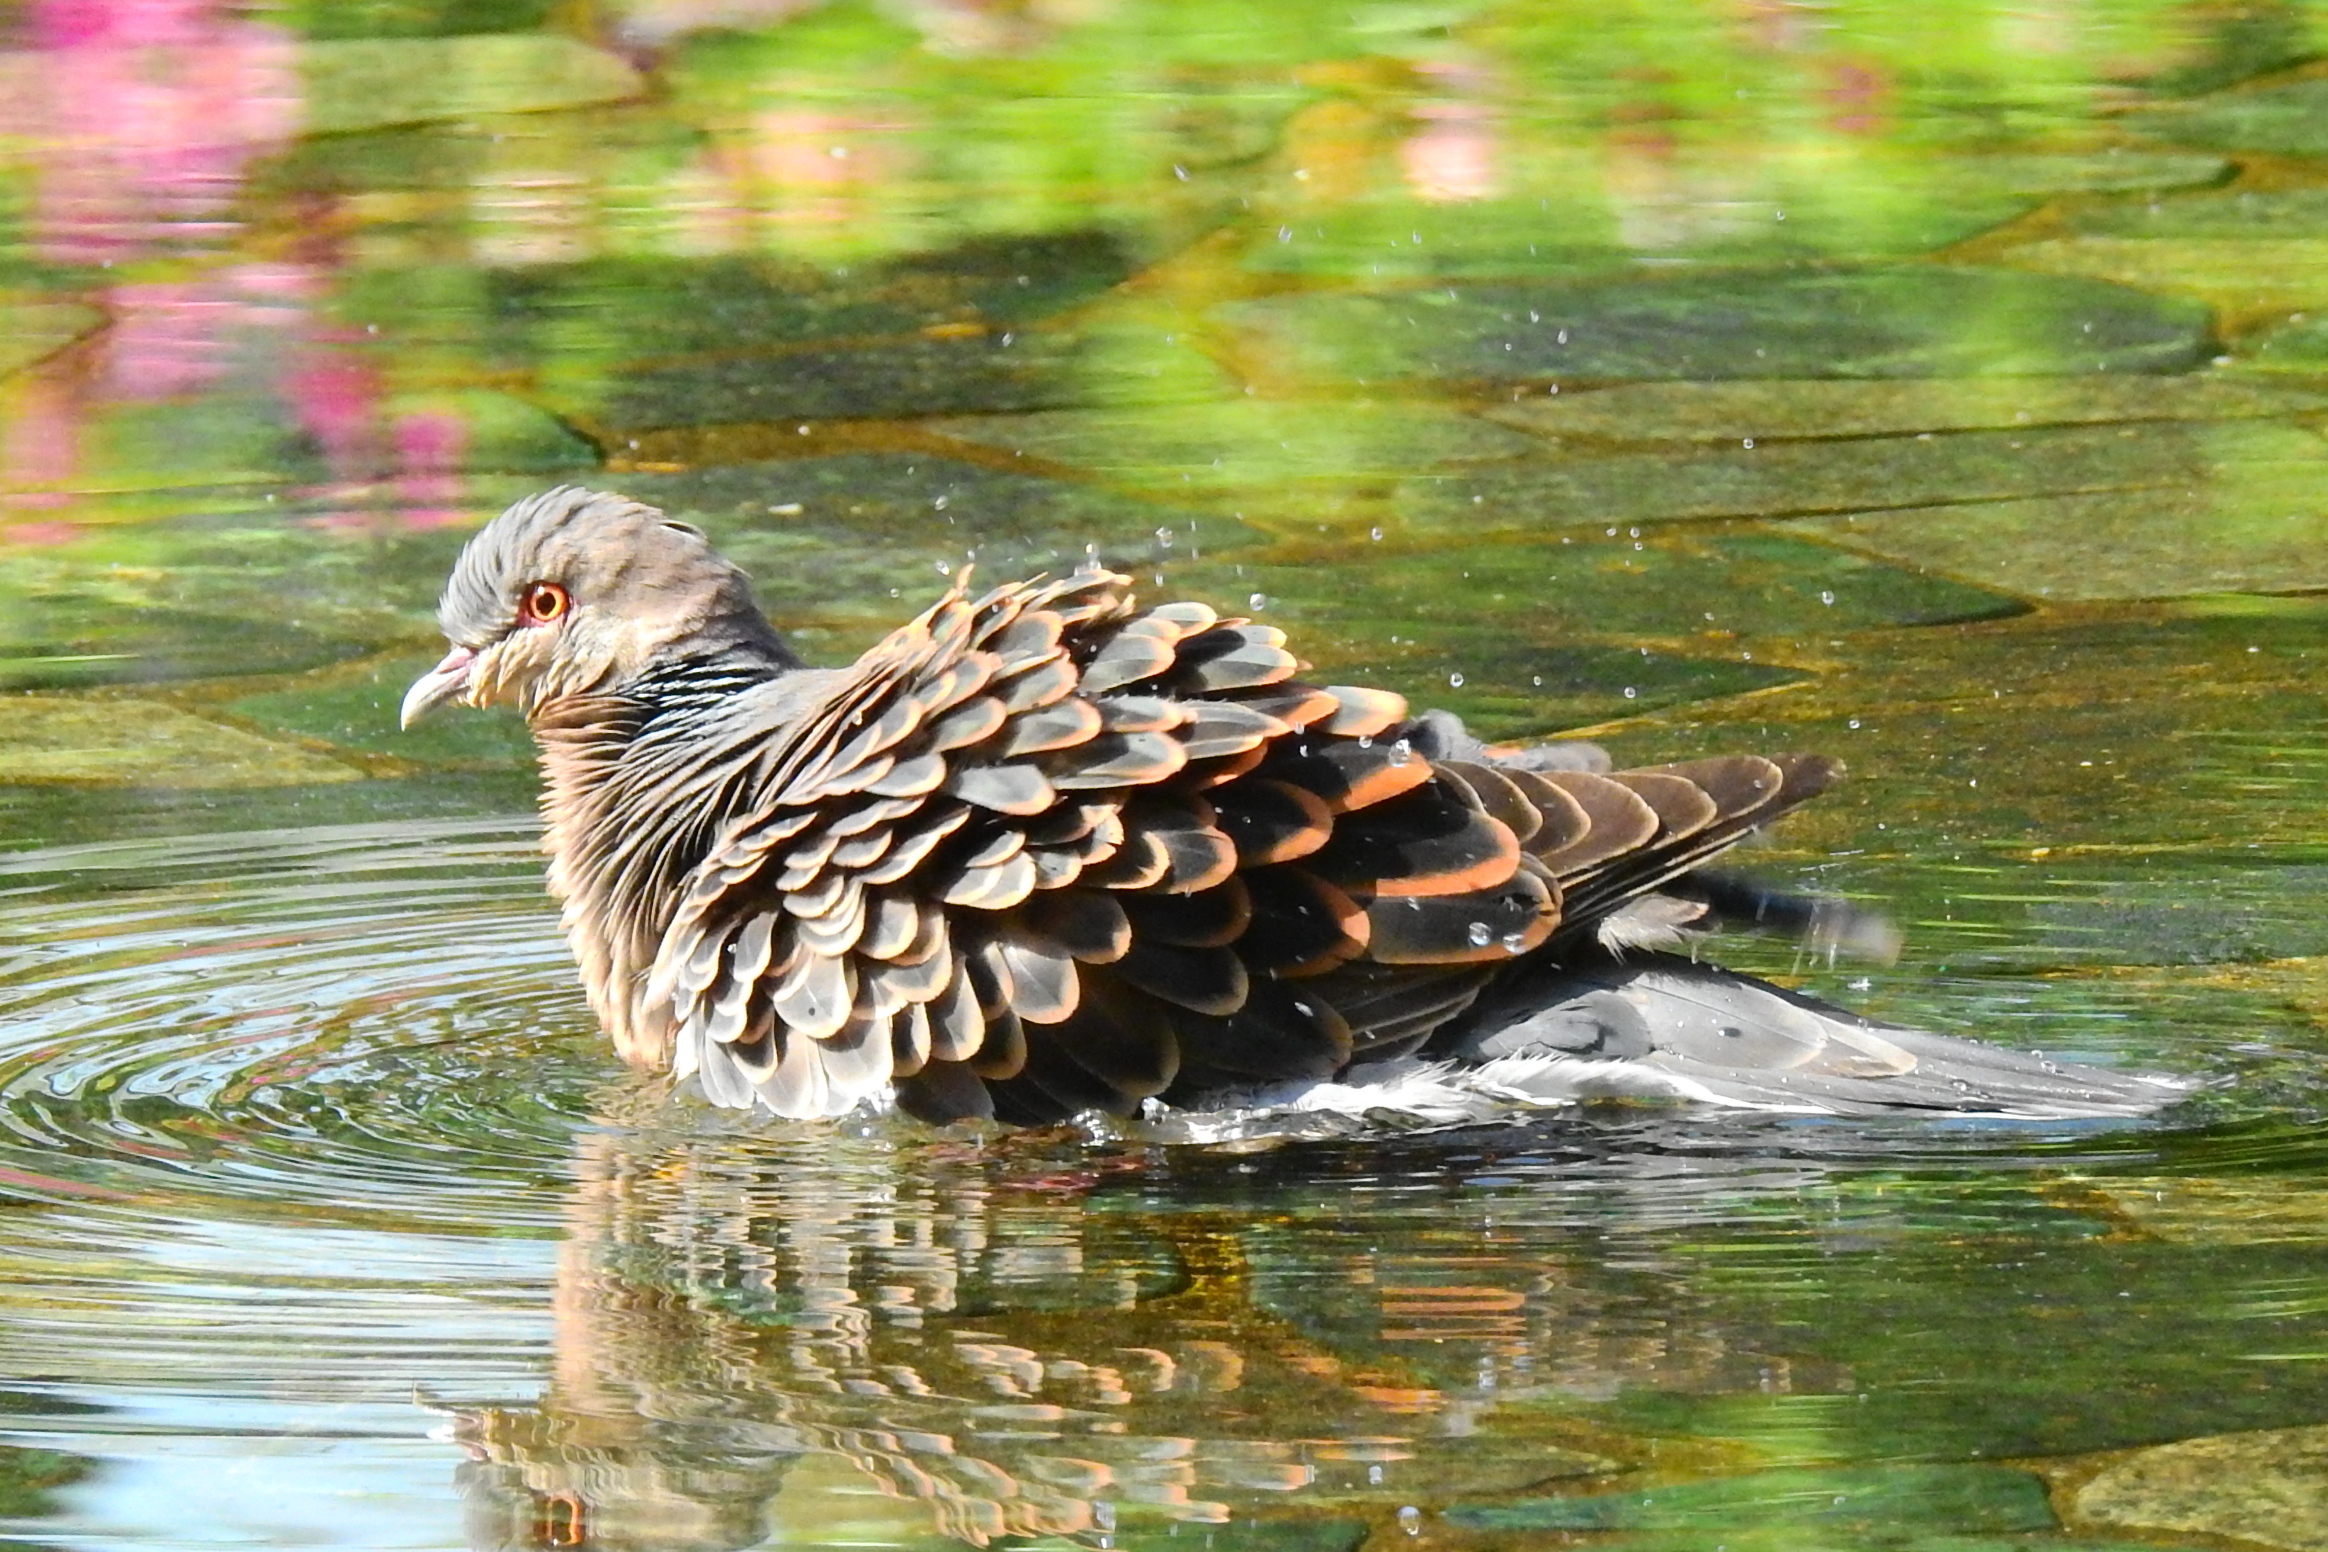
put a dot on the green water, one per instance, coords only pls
(1936, 386)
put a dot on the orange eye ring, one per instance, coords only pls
(543, 603)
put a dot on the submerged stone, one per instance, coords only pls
(1881, 1499)
(878, 536)
(2242, 212)
(82, 637)
(2266, 1489)
(45, 739)
(676, 307)
(1394, 239)
(1518, 689)
(1847, 475)
(1592, 585)
(2108, 170)
(2300, 345)
(2241, 275)
(1763, 411)
(2194, 723)
(2287, 120)
(635, 347)
(1561, 220)
(33, 328)
(185, 585)
(479, 430)
(1903, 321)
(2233, 526)
(370, 83)
(1509, 678)
(971, 372)
(2224, 1210)
(1246, 442)
(360, 712)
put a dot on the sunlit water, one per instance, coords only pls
(335, 1227)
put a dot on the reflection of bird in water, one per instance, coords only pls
(1016, 1342)
(1047, 852)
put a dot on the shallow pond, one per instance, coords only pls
(1937, 387)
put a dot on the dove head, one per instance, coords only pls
(576, 592)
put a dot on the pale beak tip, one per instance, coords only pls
(442, 683)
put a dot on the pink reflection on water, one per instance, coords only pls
(140, 119)
(819, 168)
(336, 391)
(429, 445)
(167, 338)
(35, 536)
(1451, 156)
(1859, 97)
(41, 443)
(142, 116)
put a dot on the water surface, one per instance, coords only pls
(1942, 390)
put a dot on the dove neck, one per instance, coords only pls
(712, 666)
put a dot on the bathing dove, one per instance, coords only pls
(1044, 850)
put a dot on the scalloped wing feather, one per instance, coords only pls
(975, 867)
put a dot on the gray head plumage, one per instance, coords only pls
(629, 587)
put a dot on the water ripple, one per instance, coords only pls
(370, 1019)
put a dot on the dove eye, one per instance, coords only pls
(542, 603)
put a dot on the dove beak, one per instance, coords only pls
(448, 680)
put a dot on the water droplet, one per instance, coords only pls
(1749, 441)
(1537, 680)
(1630, 692)
(945, 570)
(1481, 934)
(939, 504)
(1826, 597)
(1854, 722)
(1366, 740)
(1410, 1519)
(1515, 942)
(1401, 752)
(1375, 534)
(1455, 681)
(1257, 602)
